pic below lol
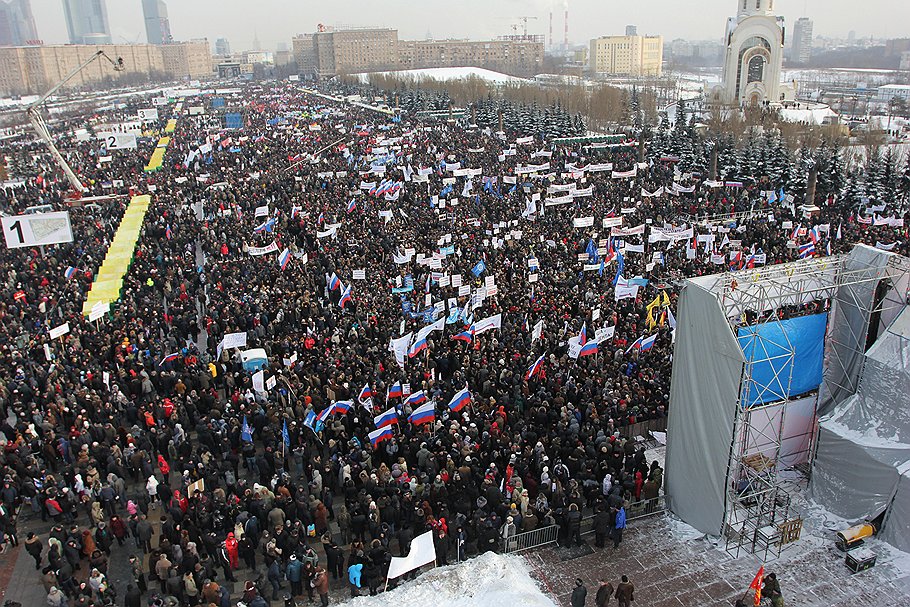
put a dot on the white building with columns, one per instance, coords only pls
(754, 56)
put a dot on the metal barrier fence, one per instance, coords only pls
(642, 428)
(529, 540)
(636, 510)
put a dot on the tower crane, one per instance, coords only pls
(524, 20)
(35, 117)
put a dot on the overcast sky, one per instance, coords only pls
(278, 20)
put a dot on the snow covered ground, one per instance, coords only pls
(450, 73)
(490, 580)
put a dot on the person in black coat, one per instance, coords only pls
(579, 594)
(573, 520)
(602, 526)
(132, 598)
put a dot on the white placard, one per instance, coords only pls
(38, 229)
(456, 280)
(234, 340)
(532, 277)
(148, 114)
(271, 382)
(59, 331)
(464, 290)
(359, 274)
(262, 211)
(259, 381)
(118, 141)
(99, 310)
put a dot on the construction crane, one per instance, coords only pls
(35, 117)
(524, 20)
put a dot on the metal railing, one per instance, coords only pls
(529, 540)
(636, 510)
(643, 428)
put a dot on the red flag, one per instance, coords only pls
(756, 585)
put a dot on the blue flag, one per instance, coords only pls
(479, 269)
(284, 434)
(246, 433)
(620, 266)
(592, 251)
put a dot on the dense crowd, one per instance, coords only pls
(141, 430)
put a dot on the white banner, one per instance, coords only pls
(620, 232)
(257, 251)
(488, 324)
(583, 222)
(422, 552)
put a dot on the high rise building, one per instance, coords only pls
(631, 30)
(17, 25)
(33, 69)
(356, 50)
(627, 55)
(801, 49)
(222, 46)
(157, 26)
(86, 21)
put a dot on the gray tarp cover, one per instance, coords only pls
(847, 335)
(707, 370)
(863, 455)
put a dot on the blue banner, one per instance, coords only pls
(786, 357)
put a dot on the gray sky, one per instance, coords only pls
(278, 20)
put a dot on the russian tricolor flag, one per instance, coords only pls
(343, 406)
(395, 391)
(267, 226)
(334, 282)
(588, 349)
(806, 250)
(70, 272)
(417, 347)
(424, 414)
(416, 399)
(284, 258)
(461, 399)
(648, 342)
(169, 358)
(345, 297)
(325, 413)
(583, 334)
(466, 336)
(535, 368)
(352, 205)
(377, 436)
(167, 233)
(365, 394)
(386, 419)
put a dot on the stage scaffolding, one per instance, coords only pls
(758, 517)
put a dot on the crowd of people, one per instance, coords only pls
(380, 278)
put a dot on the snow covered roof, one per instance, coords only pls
(451, 73)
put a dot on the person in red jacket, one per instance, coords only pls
(232, 547)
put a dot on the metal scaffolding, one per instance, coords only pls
(758, 515)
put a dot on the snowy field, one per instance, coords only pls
(490, 580)
(449, 73)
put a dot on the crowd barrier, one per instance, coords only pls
(529, 540)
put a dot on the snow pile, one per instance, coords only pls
(449, 73)
(490, 580)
